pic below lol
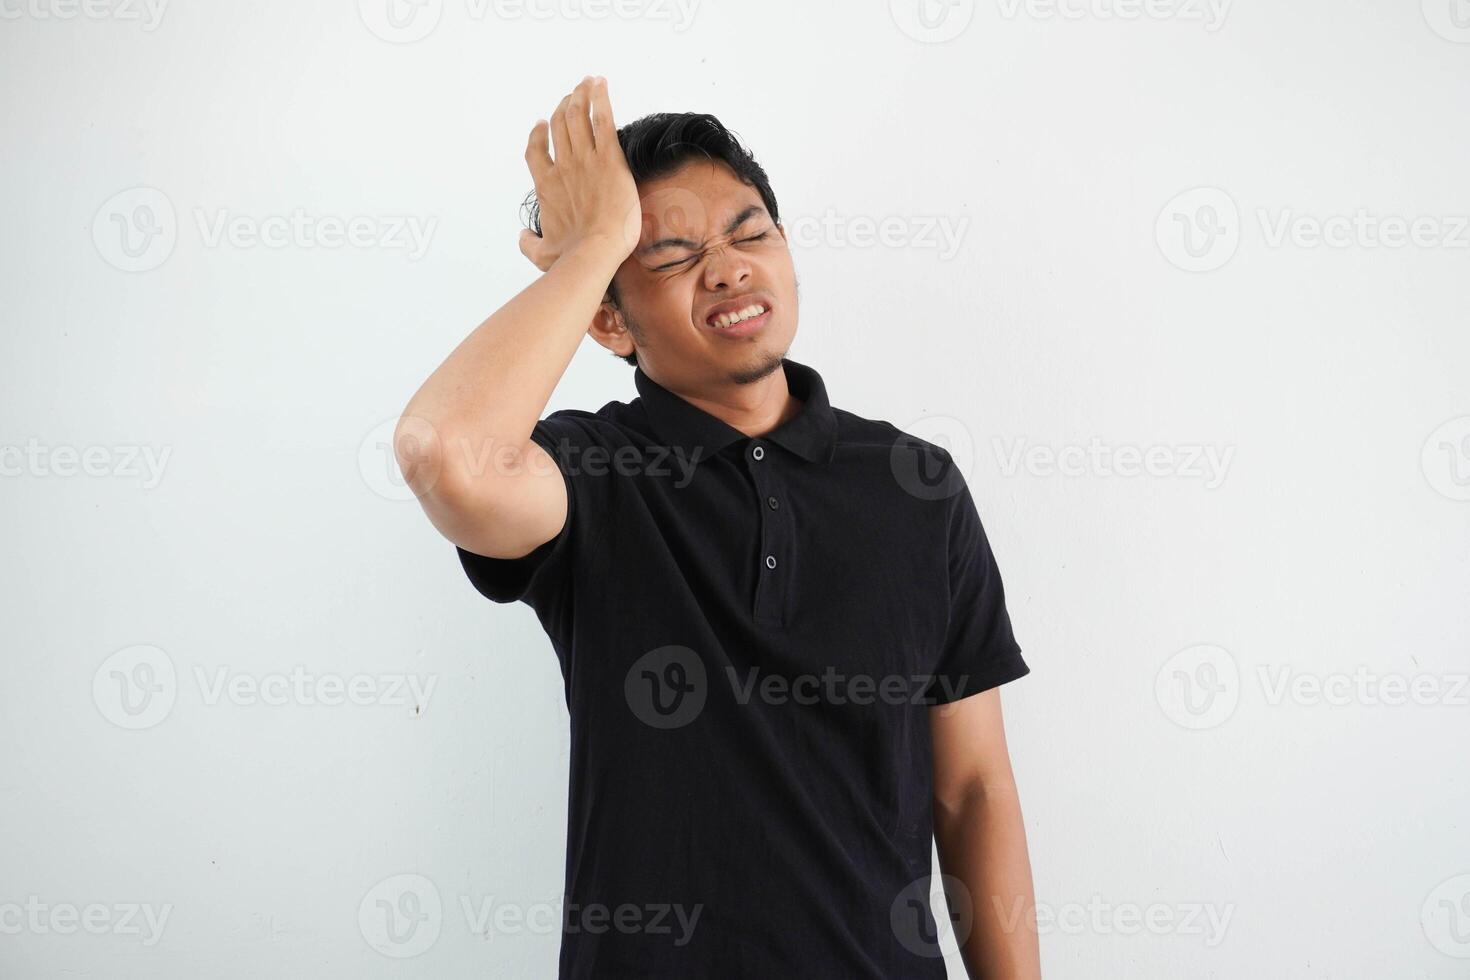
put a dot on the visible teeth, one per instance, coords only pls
(727, 319)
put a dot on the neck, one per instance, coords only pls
(752, 406)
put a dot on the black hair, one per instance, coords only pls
(658, 144)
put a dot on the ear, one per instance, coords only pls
(610, 330)
(782, 229)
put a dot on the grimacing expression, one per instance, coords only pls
(706, 240)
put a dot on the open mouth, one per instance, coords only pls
(742, 320)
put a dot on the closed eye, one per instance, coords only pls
(670, 265)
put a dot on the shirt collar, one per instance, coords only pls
(811, 433)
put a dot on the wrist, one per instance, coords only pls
(600, 248)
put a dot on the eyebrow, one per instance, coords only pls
(735, 222)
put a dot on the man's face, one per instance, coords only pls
(707, 242)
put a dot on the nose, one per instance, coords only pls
(725, 268)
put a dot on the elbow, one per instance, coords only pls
(448, 467)
(421, 452)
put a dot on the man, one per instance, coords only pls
(780, 625)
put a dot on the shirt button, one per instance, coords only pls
(773, 502)
(770, 561)
(759, 452)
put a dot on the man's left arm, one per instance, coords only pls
(981, 837)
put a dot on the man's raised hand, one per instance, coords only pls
(586, 192)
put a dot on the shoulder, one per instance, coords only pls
(924, 466)
(614, 424)
(859, 430)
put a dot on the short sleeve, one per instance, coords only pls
(980, 650)
(543, 577)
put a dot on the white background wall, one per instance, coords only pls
(1080, 307)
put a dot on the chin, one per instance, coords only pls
(758, 364)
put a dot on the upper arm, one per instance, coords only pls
(501, 505)
(970, 753)
(523, 525)
(979, 649)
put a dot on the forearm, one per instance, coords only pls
(490, 391)
(982, 842)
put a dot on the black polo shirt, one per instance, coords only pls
(752, 634)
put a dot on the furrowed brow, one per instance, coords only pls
(736, 222)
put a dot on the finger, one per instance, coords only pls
(604, 129)
(533, 247)
(561, 142)
(529, 243)
(538, 155)
(579, 123)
